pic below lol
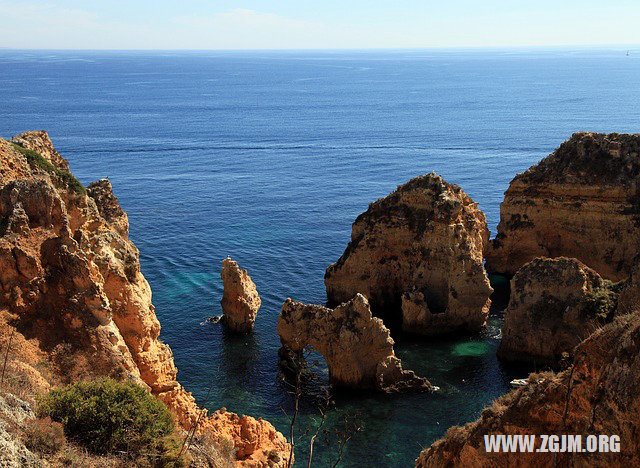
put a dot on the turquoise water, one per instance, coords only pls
(269, 157)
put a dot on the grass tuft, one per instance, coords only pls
(35, 159)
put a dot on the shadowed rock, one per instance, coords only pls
(416, 255)
(598, 394)
(554, 305)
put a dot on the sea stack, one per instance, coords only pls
(582, 201)
(554, 305)
(356, 346)
(240, 300)
(417, 255)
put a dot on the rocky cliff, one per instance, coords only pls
(356, 346)
(70, 284)
(598, 394)
(416, 255)
(582, 201)
(240, 300)
(554, 305)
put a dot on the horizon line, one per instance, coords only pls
(342, 49)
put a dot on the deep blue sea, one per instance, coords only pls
(268, 157)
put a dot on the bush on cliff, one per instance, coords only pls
(107, 416)
(604, 300)
(37, 160)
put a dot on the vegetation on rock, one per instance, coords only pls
(36, 159)
(107, 416)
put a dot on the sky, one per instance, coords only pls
(306, 24)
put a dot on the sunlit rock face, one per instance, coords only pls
(357, 347)
(240, 301)
(582, 201)
(71, 286)
(416, 255)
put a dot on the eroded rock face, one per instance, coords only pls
(597, 395)
(40, 142)
(102, 193)
(240, 301)
(418, 252)
(356, 346)
(582, 201)
(70, 282)
(554, 305)
(13, 453)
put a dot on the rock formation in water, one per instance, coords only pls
(554, 305)
(356, 346)
(598, 394)
(71, 287)
(582, 201)
(418, 252)
(240, 300)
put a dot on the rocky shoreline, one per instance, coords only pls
(73, 294)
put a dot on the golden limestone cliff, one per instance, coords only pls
(71, 287)
(582, 201)
(416, 254)
(554, 305)
(357, 347)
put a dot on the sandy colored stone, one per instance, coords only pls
(240, 301)
(40, 142)
(102, 193)
(581, 201)
(424, 240)
(356, 346)
(554, 305)
(70, 284)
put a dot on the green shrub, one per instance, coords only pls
(44, 436)
(37, 160)
(107, 416)
(603, 300)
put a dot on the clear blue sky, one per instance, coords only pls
(303, 24)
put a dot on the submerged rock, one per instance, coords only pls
(554, 305)
(356, 346)
(417, 254)
(240, 301)
(582, 201)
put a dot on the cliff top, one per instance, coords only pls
(426, 197)
(589, 158)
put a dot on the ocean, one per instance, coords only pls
(268, 157)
